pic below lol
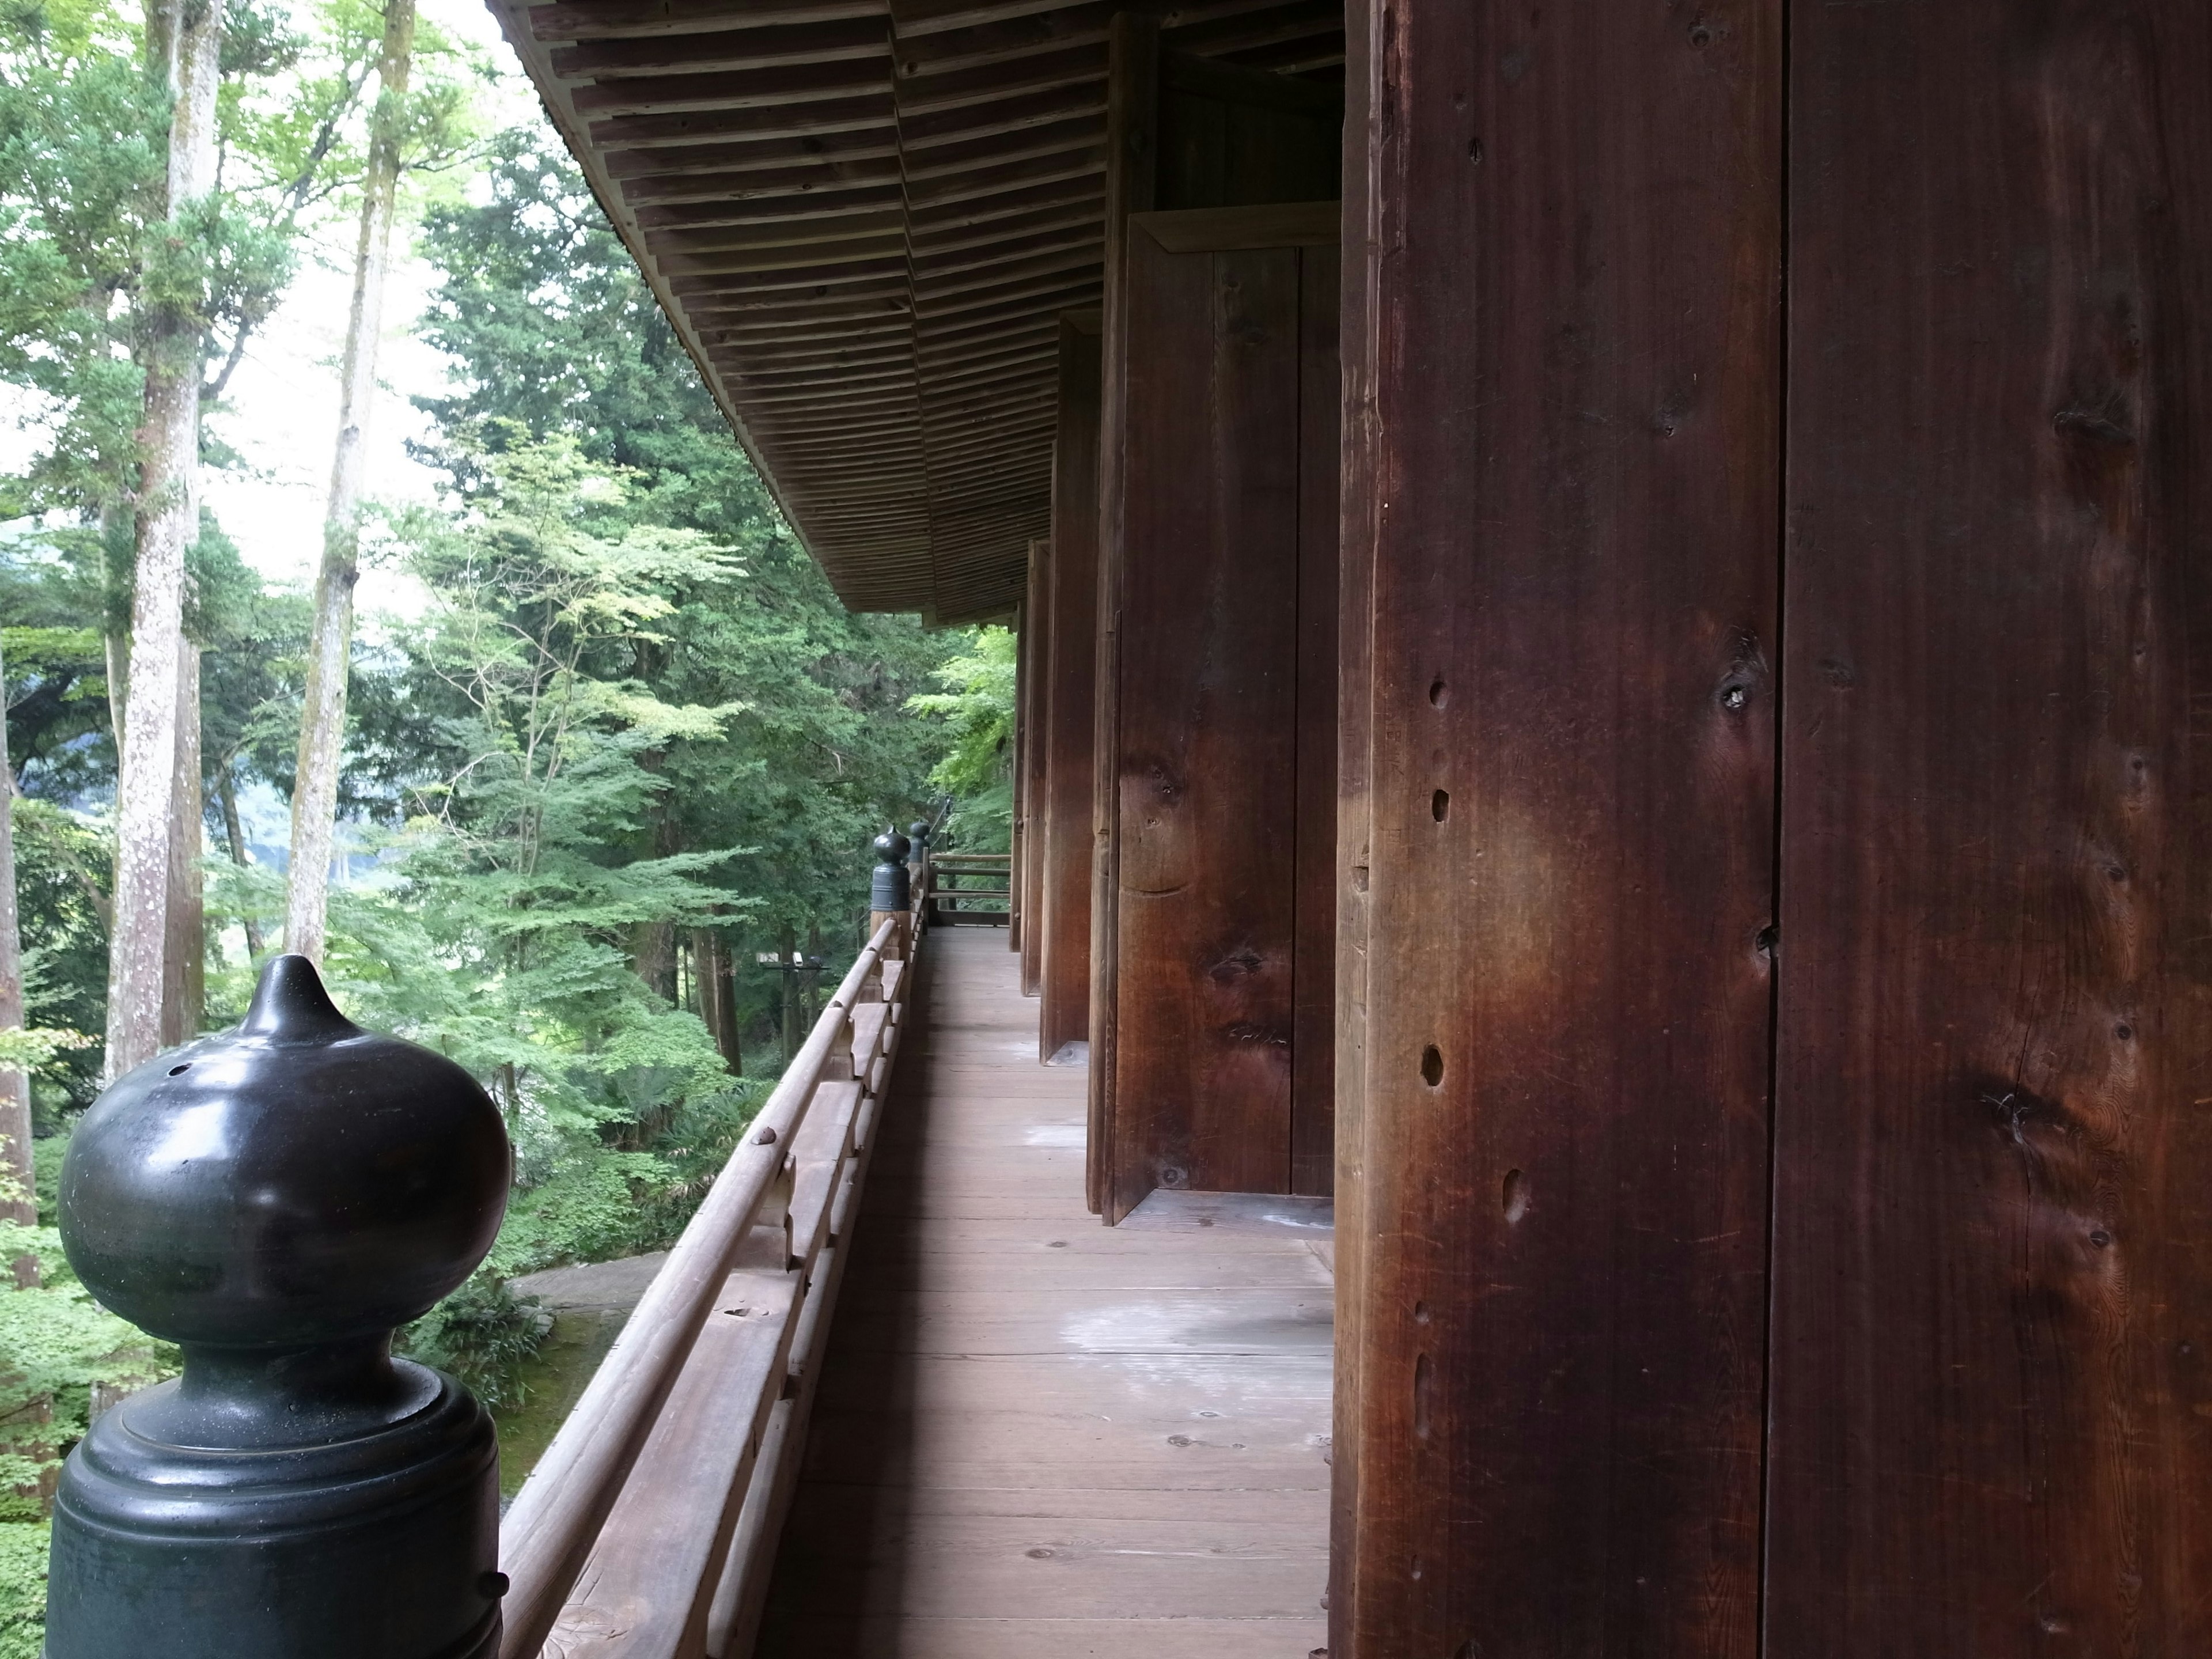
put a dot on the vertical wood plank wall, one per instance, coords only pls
(1571, 455)
(1184, 1075)
(1313, 920)
(1032, 689)
(1992, 1358)
(1222, 345)
(1018, 777)
(1064, 970)
(1359, 509)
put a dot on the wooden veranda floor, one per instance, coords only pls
(1038, 1437)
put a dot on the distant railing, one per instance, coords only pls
(954, 899)
(649, 1527)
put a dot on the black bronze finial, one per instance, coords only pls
(889, 889)
(276, 1200)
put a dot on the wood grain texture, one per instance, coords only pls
(1017, 856)
(1132, 186)
(1358, 508)
(1033, 691)
(645, 1588)
(1064, 1008)
(1036, 1435)
(1313, 947)
(1571, 472)
(1993, 1304)
(1206, 773)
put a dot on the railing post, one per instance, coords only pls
(889, 893)
(276, 1200)
(918, 836)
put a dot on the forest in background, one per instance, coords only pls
(628, 739)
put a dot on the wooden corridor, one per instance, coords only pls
(1041, 1438)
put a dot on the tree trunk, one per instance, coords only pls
(329, 649)
(15, 1087)
(184, 984)
(233, 834)
(168, 524)
(718, 997)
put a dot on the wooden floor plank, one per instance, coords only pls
(1038, 1435)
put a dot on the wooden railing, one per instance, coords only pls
(649, 1527)
(341, 1183)
(954, 899)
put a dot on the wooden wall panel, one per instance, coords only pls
(1032, 692)
(1554, 1427)
(1065, 971)
(1313, 1041)
(1187, 134)
(1018, 834)
(1131, 177)
(1358, 506)
(1992, 1397)
(1207, 773)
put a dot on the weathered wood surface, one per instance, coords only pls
(1024, 686)
(1358, 508)
(1206, 775)
(1185, 135)
(1037, 1436)
(1313, 946)
(1064, 1010)
(1570, 458)
(1035, 691)
(1993, 1305)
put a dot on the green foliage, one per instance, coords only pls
(977, 706)
(481, 1334)
(23, 1588)
(63, 874)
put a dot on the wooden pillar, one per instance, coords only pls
(1036, 750)
(1563, 436)
(1017, 779)
(1064, 888)
(1992, 1358)
(1212, 960)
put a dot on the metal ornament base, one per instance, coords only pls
(382, 1545)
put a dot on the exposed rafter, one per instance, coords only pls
(864, 218)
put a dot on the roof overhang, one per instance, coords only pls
(865, 221)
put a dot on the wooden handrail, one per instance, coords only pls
(548, 1533)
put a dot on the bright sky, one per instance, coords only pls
(281, 409)
(282, 406)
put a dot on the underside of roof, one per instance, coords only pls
(865, 218)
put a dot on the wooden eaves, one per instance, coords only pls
(865, 220)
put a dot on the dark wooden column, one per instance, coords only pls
(1223, 882)
(1064, 884)
(1035, 745)
(1992, 1362)
(1561, 610)
(1212, 1017)
(1017, 778)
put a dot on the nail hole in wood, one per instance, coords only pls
(1440, 806)
(1432, 1066)
(1438, 694)
(1515, 1196)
